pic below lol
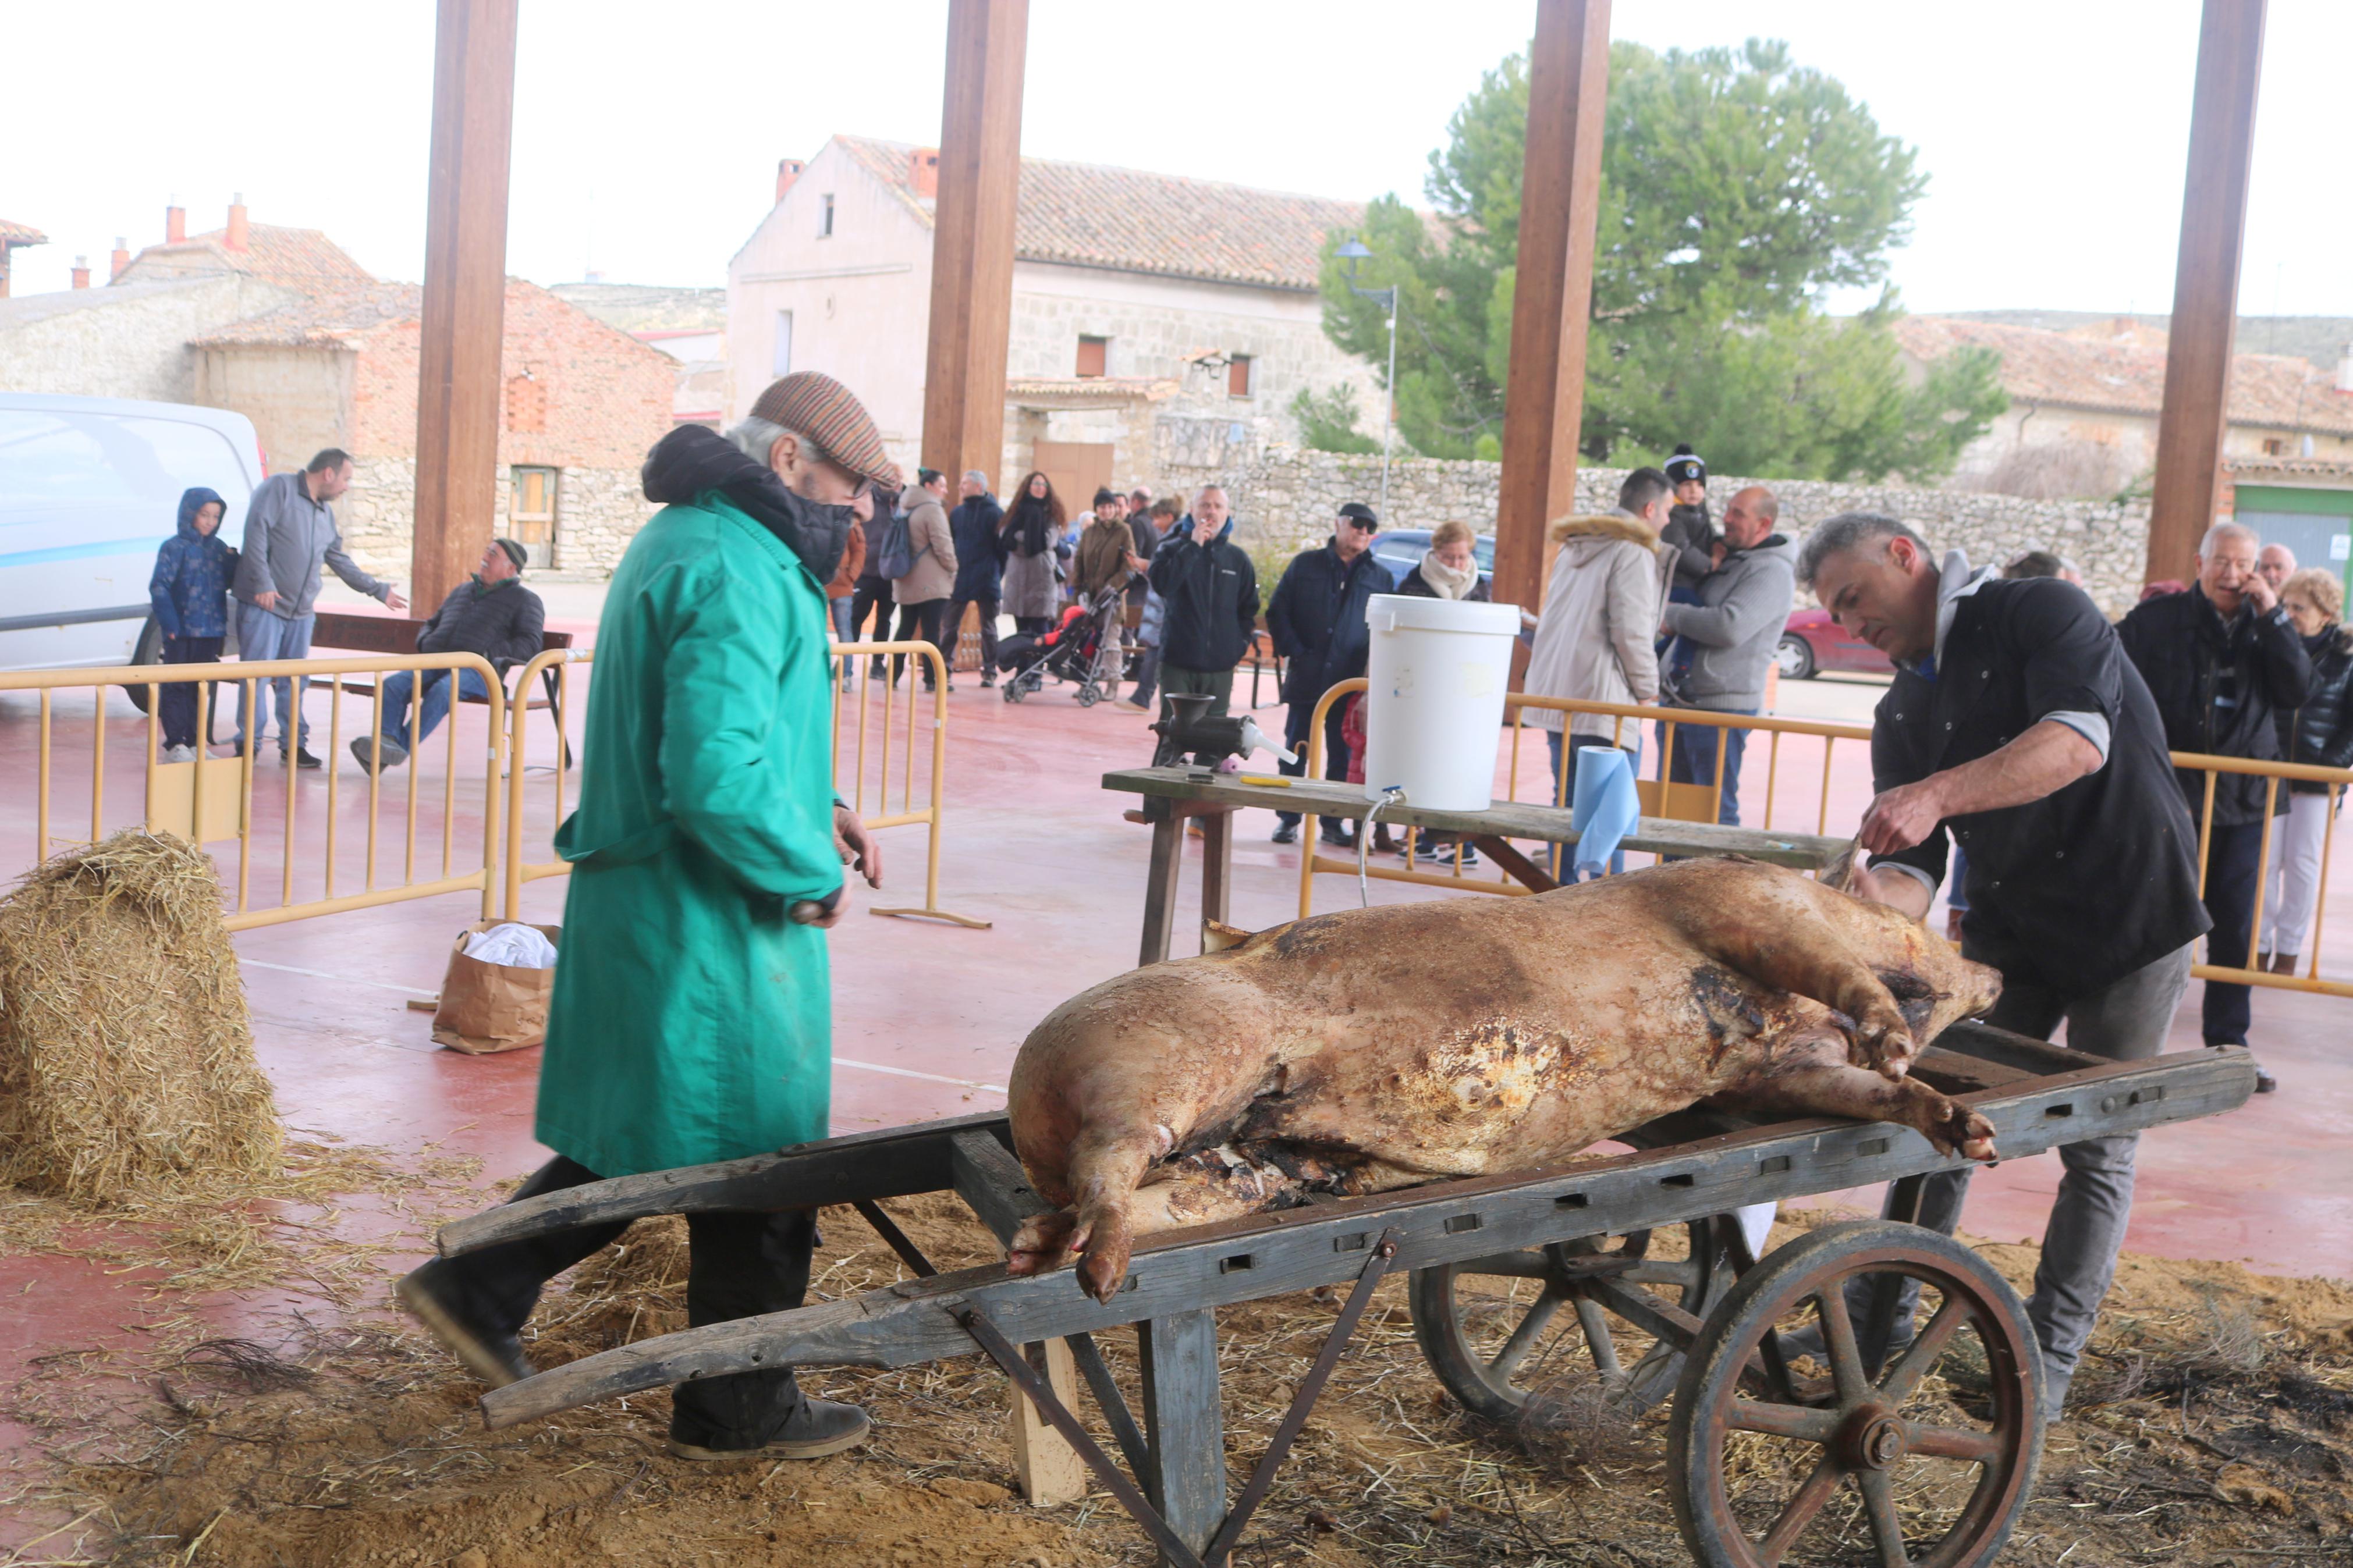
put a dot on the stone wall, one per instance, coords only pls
(597, 513)
(1291, 495)
(125, 341)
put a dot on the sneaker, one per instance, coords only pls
(816, 1428)
(179, 753)
(366, 748)
(1286, 832)
(303, 759)
(986, 681)
(1337, 834)
(2264, 1082)
(1139, 707)
(430, 1294)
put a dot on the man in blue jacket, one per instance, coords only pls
(1317, 621)
(981, 568)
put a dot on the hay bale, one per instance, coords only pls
(126, 1055)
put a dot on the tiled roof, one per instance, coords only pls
(647, 307)
(1090, 391)
(2073, 371)
(322, 320)
(1086, 214)
(2245, 468)
(299, 257)
(20, 234)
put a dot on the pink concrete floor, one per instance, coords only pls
(928, 1017)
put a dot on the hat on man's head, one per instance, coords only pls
(515, 553)
(1685, 464)
(1360, 512)
(829, 413)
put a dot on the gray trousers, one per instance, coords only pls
(2126, 1021)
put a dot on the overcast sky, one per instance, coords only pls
(646, 138)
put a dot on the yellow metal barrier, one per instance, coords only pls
(849, 747)
(215, 798)
(2274, 773)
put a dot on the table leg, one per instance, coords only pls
(1160, 887)
(1217, 865)
(1184, 1423)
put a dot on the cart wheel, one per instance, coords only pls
(1494, 1343)
(1012, 689)
(1088, 697)
(1928, 1464)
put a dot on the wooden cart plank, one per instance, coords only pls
(1266, 1255)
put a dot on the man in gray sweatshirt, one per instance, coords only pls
(291, 533)
(1735, 629)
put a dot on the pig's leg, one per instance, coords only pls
(1811, 1078)
(1788, 946)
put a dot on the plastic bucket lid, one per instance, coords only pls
(1411, 612)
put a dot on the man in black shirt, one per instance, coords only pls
(2017, 726)
(2221, 658)
(1317, 621)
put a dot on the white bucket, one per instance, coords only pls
(1434, 699)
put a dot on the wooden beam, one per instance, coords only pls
(457, 382)
(2205, 286)
(1543, 392)
(972, 238)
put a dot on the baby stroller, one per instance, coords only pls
(1082, 647)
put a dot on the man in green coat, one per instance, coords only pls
(692, 1014)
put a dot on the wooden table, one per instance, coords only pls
(1174, 796)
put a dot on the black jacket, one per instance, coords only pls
(1210, 593)
(1416, 586)
(1317, 619)
(2182, 647)
(695, 459)
(2075, 891)
(2321, 732)
(980, 552)
(1690, 534)
(502, 622)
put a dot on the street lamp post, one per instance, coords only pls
(1353, 252)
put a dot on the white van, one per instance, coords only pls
(90, 487)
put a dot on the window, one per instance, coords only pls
(526, 404)
(2274, 446)
(1238, 376)
(531, 514)
(824, 218)
(1095, 353)
(780, 357)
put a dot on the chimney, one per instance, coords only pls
(923, 172)
(81, 272)
(787, 170)
(2345, 369)
(176, 221)
(240, 231)
(121, 259)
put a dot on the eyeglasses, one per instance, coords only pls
(1361, 526)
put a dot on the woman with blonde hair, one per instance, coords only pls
(2319, 733)
(1449, 569)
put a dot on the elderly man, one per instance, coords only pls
(2016, 724)
(1317, 619)
(1208, 591)
(289, 533)
(2275, 564)
(1733, 631)
(692, 1018)
(2220, 657)
(980, 566)
(491, 614)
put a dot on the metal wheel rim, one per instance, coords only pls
(1794, 658)
(1712, 1384)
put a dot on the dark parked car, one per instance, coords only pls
(1813, 641)
(1401, 550)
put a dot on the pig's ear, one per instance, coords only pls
(1216, 936)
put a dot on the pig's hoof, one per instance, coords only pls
(1039, 1244)
(1963, 1130)
(1102, 1269)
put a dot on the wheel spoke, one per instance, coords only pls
(1661, 1274)
(1806, 1502)
(1523, 1338)
(1886, 1524)
(1907, 1373)
(1954, 1443)
(1783, 1420)
(1838, 1343)
(1598, 1343)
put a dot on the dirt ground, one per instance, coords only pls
(2212, 1424)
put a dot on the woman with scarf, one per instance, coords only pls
(1450, 568)
(1032, 531)
(189, 595)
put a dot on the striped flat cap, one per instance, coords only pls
(830, 414)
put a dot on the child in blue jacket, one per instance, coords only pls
(189, 593)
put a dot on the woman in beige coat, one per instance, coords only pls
(922, 594)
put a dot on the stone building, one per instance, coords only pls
(583, 402)
(690, 325)
(2084, 405)
(1151, 313)
(15, 237)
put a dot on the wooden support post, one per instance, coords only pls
(972, 238)
(458, 386)
(1543, 392)
(1049, 1468)
(1217, 865)
(2205, 286)
(1184, 1424)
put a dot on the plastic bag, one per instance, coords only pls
(513, 945)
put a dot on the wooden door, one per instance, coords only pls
(530, 514)
(1076, 470)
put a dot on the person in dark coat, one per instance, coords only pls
(1317, 621)
(491, 614)
(976, 526)
(869, 594)
(1450, 568)
(1690, 531)
(2220, 657)
(2317, 735)
(188, 593)
(1032, 535)
(1208, 591)
(2016, 725)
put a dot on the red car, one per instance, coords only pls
(1813, 642)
